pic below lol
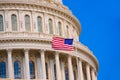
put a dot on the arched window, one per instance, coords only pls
(46, 66)
(39, 23)
(17, 70)
(14, 22)
(67, 31)
(59, 28)
(27, 23)
(32, 70)
(1, 23)
(50, 26)
(2, 70)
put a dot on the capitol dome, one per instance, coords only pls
(27, 28)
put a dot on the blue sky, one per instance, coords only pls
(100, 20)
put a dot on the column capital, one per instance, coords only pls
(52, 56)
(92, 69)
(80, 59)
(63, 59)
(42, 50)
(57, 53)
(62, 63)
(69, 56)
(26, 50)
(87, 65)
(9, 50)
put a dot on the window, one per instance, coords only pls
(39, 23)
(66, 75)
(1, 23)
(32, 70)
(46, 66)
(55, 71)
(59, 28)
(14, 22)
(50, 26)
(2, 70)
(17, 70)
(27, 23)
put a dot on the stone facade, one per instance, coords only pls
(25, 45)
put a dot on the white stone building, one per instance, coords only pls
(26, 31)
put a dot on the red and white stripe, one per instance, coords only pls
(58, 44)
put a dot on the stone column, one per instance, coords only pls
(88, 72)
(43, 65)
(58, 71)
(63, 70)
(39, 68)
(27, 73)
(93, 74)
(70, 68)
(52, 74)
(10, 65)
(80, 69)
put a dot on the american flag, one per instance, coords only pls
(59, 43)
